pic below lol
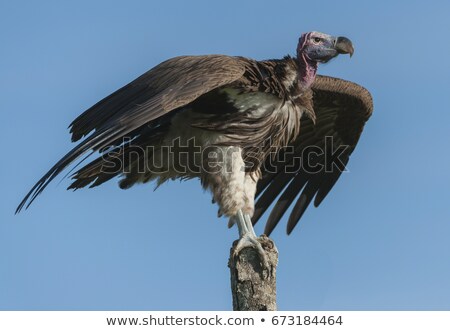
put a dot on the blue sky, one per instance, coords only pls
(379, 241)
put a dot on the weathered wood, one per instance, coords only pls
(254, 287)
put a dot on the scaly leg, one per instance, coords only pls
(247, 237)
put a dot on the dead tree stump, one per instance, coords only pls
(253, 286)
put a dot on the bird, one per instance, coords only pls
(253, 132)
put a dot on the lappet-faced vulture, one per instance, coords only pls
(247, 129)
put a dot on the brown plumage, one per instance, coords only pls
(342, 109)
(255, 107)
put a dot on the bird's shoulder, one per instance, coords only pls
(275, 76)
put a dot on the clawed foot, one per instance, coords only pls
(249, 240)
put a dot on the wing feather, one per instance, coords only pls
(170, 85)
(342, 109)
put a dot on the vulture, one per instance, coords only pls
(255, 133)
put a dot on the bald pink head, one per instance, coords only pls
(321, 47)
(314, 47)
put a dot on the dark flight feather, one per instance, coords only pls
(342, 108)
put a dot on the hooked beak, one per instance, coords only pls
(343, 46)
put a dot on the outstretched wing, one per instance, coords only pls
(170, 85)
(308, 166)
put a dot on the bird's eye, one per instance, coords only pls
(317, 40)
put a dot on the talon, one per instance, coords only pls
(248, 241)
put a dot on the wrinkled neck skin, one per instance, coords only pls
(307, 70)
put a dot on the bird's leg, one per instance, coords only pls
(247, 237)
(249, 224)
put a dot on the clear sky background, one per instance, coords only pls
(379, 241)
